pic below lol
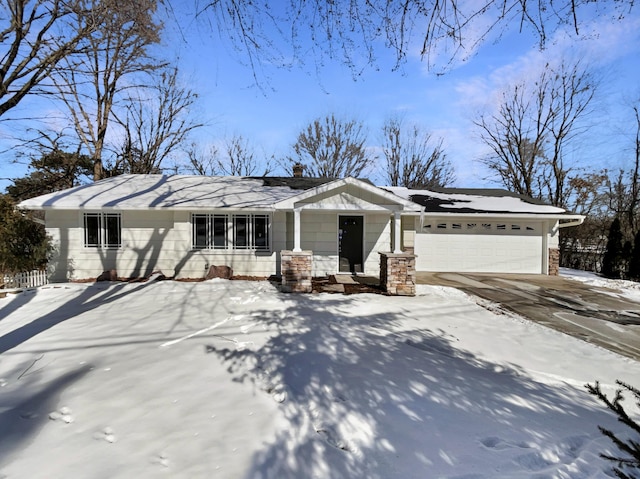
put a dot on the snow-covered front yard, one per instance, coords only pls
(233, 379)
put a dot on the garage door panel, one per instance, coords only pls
(478, 253)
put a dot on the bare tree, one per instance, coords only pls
(332, 148)
(533, 127)
(582, 247)
(201, 162)
(351, 30)
(634, 186)
(237, 159)
(413, 159)
(624, 188)
(35, 36)
(157, 123)
(90, 82)
(240, 159)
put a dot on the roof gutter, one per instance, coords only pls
(497, 215)
(574, 220)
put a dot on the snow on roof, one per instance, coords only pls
(165, 191)
(454, 200)
(140, 192)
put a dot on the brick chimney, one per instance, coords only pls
(297, 170)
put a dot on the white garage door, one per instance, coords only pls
(479, 247)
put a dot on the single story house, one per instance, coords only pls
(182, 224)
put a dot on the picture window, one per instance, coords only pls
(240, 232)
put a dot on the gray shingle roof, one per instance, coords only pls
(472, 200)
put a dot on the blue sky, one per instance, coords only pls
(272, 116)
(446, 104)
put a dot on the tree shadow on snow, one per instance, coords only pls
(91, 297)
(365, 399)
(26, 409)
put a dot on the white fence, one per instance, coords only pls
(29, 279)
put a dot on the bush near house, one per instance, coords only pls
(24, 245)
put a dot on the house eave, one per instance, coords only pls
(572, 220)
(147, 208)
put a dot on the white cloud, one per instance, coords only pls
(605, 43)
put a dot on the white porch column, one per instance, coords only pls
(396, 232)
(296, 231)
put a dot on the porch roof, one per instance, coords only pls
(348, 194)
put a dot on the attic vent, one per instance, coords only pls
(298, 168)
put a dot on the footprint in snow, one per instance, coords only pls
(107, 434)
(494, 442)
(161, 459)
(278, 392)
(63, 414)
(330, 436)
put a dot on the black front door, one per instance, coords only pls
(350, 240)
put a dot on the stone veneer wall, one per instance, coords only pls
(398, 273)
(554, 262)
(296, 271)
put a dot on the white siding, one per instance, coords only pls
(377, 231)
(319, 233)
(161, 241)
(66, 238)
(151, 241)
(355, 191)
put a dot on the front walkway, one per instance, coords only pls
(347, 284)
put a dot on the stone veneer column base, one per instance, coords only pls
(296, 271)
(554, 262)
(398, 273)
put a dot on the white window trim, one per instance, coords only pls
(230, 232)
(102, 230)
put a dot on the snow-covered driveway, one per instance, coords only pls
(233, 379)
(581, 304)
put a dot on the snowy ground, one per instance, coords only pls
(628, 289)
(233, 379)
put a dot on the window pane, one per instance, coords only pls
(261, 232)
(240, 233)
(92, 229)
(220, 231)
(199, 231)
(112, 230)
